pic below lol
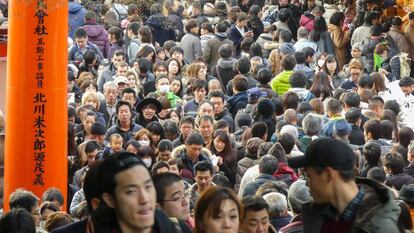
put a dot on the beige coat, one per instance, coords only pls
(340, 39)
(409, 35)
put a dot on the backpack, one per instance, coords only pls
(128, 51)
(405, 64)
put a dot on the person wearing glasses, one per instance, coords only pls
(172, 197)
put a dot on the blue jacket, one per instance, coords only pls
(234, 35)
(75, 52)
(253, 186)
(162, 29)
(237, 102)
(76, 17)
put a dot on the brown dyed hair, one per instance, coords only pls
(317, 106)
(209, 204)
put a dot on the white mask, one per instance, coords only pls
(144, 142)
(147, 162)
(164, 88)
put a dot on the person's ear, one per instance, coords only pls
(108, 200)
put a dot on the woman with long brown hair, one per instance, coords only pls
(321, 86)
(218, 210)
(227, 155)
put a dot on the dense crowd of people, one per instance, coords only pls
(234, 116)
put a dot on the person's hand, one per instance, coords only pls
(383, 71)
(220, 161)
(248, 34)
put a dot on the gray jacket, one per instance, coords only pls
(191, 45)
(105, 76)
(378, 212)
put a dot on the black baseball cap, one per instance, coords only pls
(326, 152)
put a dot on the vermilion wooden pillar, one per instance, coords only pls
(36, 95)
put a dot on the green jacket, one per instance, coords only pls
(280, 84)
(174, 99)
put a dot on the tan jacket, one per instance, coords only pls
(340, 39)
(409, 35)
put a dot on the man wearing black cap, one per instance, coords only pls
(147, 110)
(341, 202)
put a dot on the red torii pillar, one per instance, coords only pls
(36, 97)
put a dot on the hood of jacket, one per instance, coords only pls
(226, 63)
(74, 7)
(94, 30)
(242, 97)
(301, 92)
(160, 22)
(332, 28)
(378, 203)
(284, 169)
(221, 35)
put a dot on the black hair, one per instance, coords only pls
(18, 220)
(372, 153)
(287, 141)
(309, 52)
(288, 62)
(353, 115)
(300, 57)
(187, 120)
(392, 105)
(337, 18)
(170, 129)
(254, 203)
(334, 106)
(155, 127)
(165, 145)
(134, 27)
(394, 162)
(162, 182)
(203, 166)
(23, 199)
(194, 139)
(283, 15)
(387, 129)
(144, 65)
(221, 180)
(264, 75)
(90, 184)
(91, 146)
(243, 65)
(377, 173)
(122, 103)
(351, 99)
(298, 79)
(221, 27)
(374, 127)
(286, 36)
(198, 84)
(80, 33)
(217, 94)
(259, 129)
(225, 50)
(53, 194)
(129, 90)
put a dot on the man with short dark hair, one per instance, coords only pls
(223, 71)
(108, 72)
(334, 111)
(92, 153)
(239, 99)
(82, 45)
(239, 31)
(199, 90)
(125, 126)
(211, 52)
(256, 216)
(373, 133)
(172, 197)
(268, 165)
(218, 99)
(353, 117)
(341, 202)
(27, 200)
(186, 126)
(191, 154)
(190, 42)
(203, 180)
(393, 164)
(128, 194)
(298, 82)
(53, 195)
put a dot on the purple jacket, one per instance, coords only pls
(99, 36)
